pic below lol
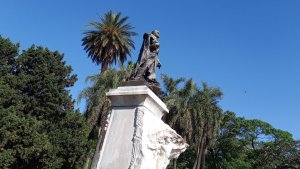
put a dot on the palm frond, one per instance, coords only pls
(109, 40)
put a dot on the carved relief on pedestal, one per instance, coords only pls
(154, 142)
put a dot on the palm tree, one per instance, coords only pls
(194, 114)
(109, 41)
(178, 101)
(208, 115)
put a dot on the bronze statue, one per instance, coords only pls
(148, 60)
(145, 67)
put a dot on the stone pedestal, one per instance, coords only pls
(136, 136)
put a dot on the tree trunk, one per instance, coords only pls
(195, 163)
(86, 163)
(205, 146)
(101, 137)
(97, 152)
(103, 68)
(199, 158)
(174, 163)
(252, 143)
(203, 159)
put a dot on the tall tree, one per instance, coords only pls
(194, 114)
(252, 144)
(177, 101)
(228, 150)
(207, 119)
(109, 41)
(38, 125)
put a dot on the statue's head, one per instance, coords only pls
(155, 33)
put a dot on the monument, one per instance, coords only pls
(145, 69)
(136, 137)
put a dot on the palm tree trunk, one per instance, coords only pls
(199, 158)
(174, 163)
(103, 68)
(86, 163)
(97, 152)
(195, 163)
(101, 137)
(203, 159)
(199, 155)
(207, 142)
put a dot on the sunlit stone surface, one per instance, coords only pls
(136, 137)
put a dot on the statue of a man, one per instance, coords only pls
(148, 60)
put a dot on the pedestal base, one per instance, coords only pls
(136, 136)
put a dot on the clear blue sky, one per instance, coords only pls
(248, 48)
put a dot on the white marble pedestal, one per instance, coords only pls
(136, 136)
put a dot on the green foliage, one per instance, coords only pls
(224, 140)
(21, 143)
(279, 154)
(227, 150)
(233, 147)
(252, 144)
(186, 159)
(109, 40)
(38, 126)
(194, 113)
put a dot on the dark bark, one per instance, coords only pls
(174, 163)
(205, 147)
(202, 165)
(198, 151)
(97, 152)
(252, 143)
(102, 133)
(86, 163)
(199, 160)
(103, 68)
